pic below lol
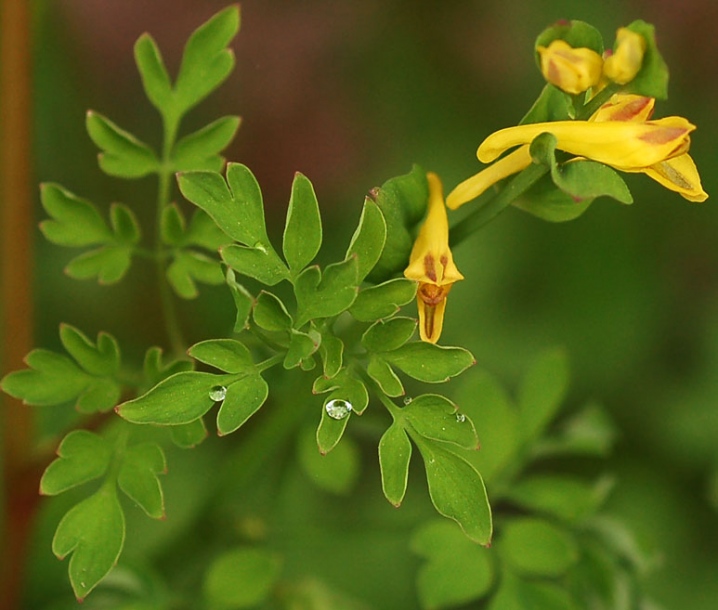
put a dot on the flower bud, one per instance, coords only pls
(627, 59)
(571, 70)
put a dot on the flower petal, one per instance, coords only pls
(472, 187)
(621, 144)
(680, 175)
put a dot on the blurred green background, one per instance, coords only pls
(352, 93)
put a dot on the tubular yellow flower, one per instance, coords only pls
(471, 188)
(627, 59)
(625, 145)
(572, 70)
(432, 265)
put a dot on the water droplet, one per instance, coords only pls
(407, 400)
(461, 418)
(218, 393)
(338, 408)
(261, 247)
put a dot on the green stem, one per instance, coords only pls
(164, 193)
(518, 185)
(597, 101)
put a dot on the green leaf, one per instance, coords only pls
(155, 79)
(235, 206)
(485, 401)
(301, 347)
(336, 472)
(652, 78)
(347, 387)
(155, 370)
(535, 547)
(270, 313)
(575, 33)
(383, 300)
(549, 203)
(331, 351)
(243, 302)
(82, 456)
(551, 105)
(101, 394)
(429, 362)
(456, 571)
(75, 222)
(52, 379)
(368, 240)
(188, 266)
(436, 418)
(402, 201)
(172, 226)
(303, 228)
(330, 430)
(108, 264)
(94, 532)
(243, 399)
(394, 458)
(588, 432)
(179, 399)
(324, 295)
(203, 232)
(541, 392)
(456, 490)
(188, 436)
(260, 263)
(388, 335)
(581, 180)
(206, 61)
(380, 371)
(566, 497)
(124, 155)
(138, 477)
(200, 150)
(227, 355)
(241, 578)
(516, 593)
(101, 358)
(124, 224)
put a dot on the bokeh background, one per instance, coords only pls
(352, 93)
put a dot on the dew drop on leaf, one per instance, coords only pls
(218, 393)
(338, 408)
(461, 418)
(407, 400)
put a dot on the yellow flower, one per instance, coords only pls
(432, 265)
(572, 70)
(620, 134)
(627, 58)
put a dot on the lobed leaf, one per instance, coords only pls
(303, 228)
(388, 335)
(327, 294)
(227, 355)
(331, 351)
(179, 399)
(124, 224)
(155, 79)
(75, 222)
(456, 571)
(138, 477)
(381, 372)
(457, 490)
(108, 264)
(367, 243)
(52, 379)
(206, 62)
(101, 358)
(394, 458)
(383, 300)
(124, 155)
(535, 547)
(188, 267)
(270, 313)
(261, 263)
(301, 347)
(82, 456)
(541, 392)
(188, 436)
(94, 532)
(241, 578)
(243, 302)
(436, 418)
(242, 400)
(200, 150)
(429, 362)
